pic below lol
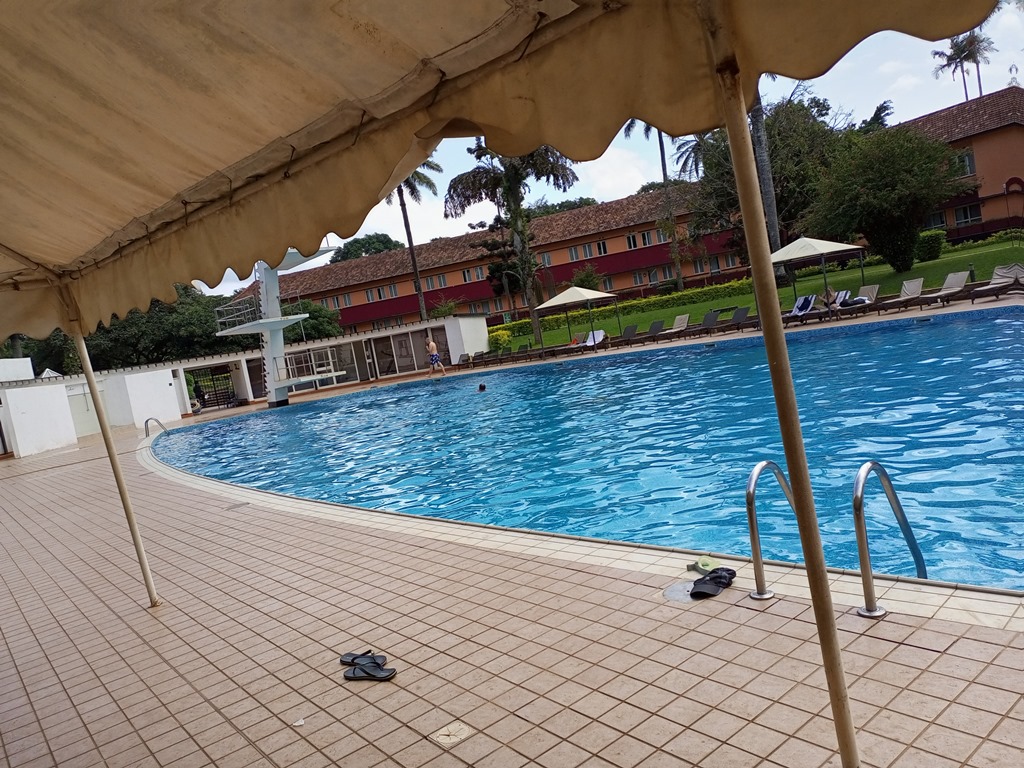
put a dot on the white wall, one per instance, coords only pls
(151, 395)
(117, 401)
(82, 409)
(465, 334)
(16, 369)
(37, 419)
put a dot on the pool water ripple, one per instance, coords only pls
(655, 446)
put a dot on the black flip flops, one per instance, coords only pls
(367, 666)
(712, 584)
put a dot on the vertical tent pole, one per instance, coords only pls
(862, 268)
(785, 399)
(115, 462)
(593, 333)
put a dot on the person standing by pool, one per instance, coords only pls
(434, 358)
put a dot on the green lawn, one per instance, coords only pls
(985, 258)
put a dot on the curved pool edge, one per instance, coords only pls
(969, 604)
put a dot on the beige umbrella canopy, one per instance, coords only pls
(145, 145)
(574, 296)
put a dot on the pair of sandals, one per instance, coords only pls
(367, 666)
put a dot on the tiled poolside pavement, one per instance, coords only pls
(555, 652)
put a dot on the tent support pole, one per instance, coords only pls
(785, 401)
(115, 464)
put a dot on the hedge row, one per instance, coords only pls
(999, 237)
(637, 306)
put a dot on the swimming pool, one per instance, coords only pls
(656, 446)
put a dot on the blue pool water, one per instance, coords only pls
(655, 447)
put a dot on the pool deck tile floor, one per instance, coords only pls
(553, 652)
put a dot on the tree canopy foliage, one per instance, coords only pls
(375, 242)
(322, 322)
(543, 208)
(881, 185)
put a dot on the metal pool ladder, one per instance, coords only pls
(153, 418)
(871, 609)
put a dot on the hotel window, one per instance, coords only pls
(393, 291)
(429, 282)
(607, 284)
(731, 260)
(323, 303)
(647, 238)
(631, 241)
(574, 253)
(346, 299)
(698, 266)
(466, 276)
(545, 259)
(668, 272)
(481, 273)
(588, 250)
(638, 278)
(335, 302)
(661, 236)
(935, 220)
(964, 162)
(369, 295)
(442, 281)
(499, 304)
(968, 214)
(602, 248)
(715, 266)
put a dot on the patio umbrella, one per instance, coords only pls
(123, 172)
(805, 249)
(574, 297)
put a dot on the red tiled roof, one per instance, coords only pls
(578, 223)
(985, 113)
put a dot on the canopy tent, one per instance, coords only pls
(573, 297)
(140, 147)
(807, 249)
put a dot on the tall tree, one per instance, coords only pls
(375, 242)
(881, 185)
(412, 186)
(668, 218)
(977, 47)
(504, 181)
(690, 153)
(953, 60)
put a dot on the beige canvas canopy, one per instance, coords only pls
(143, 144)
(574, 296)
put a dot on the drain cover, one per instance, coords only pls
(452, 734)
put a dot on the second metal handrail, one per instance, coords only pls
(871, 607)
(153, 418)
(762, 592)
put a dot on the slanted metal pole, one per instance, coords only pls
(115, 464)
(782, 380)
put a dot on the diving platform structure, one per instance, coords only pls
(246, 316)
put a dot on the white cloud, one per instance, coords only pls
(892, 67)
(617, 173)
(906, 83)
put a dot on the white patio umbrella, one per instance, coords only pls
(807, 249)
(262, 126)
(573, 297)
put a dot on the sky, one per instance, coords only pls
(887, 66)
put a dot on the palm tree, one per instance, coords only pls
(977, 48)
(669, 218)
(759, 138)
(416, 181)
(689, 154)
(953, 60)
(504, 182)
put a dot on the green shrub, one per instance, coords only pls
(999, 237)
(499, 339)
(929, 245)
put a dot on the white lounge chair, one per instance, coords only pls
(803, 305)
(954, 284)
(909, 291)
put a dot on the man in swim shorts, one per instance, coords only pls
(434, 358)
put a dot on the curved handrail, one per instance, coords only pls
(761, 592)
(871, 608)
(153, 418)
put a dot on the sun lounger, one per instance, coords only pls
(596, 340)
(803, 305)
(523, 353)
(737, 322)
(483, 358)
(706, 325)
(954, 284)
(652, 332)
(826, 308)
(627, 337)
(678, 327)
(1005, 279)
(574, 346)
(909, 291)
(465, 359)
(862, 302)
